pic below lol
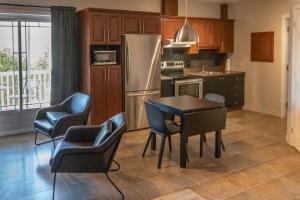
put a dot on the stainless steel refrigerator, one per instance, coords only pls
(141, 64)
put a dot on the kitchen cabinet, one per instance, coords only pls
(106, 92)
(140, 24)
(209, 31)
(105, 28)
(167, 88)
(229, 86)
(194, 49)
(226, 36)
(170, 26)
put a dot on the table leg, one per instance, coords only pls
(153, 141)
(218, 144)
(183, 152)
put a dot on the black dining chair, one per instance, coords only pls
(89, 149)
(218, 99)
(160, 125)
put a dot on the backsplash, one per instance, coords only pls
(208, 57)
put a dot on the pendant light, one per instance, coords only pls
(186, 34)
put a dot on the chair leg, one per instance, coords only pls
(53, 187)
(115, 186)
(161, 151)
(147, 143)
(53, 143)
(170, 143)
(202, 136)
(36, 133)
(223, 146)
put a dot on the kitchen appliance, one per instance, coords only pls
(141, 64)
(191, 87)
(105, 57)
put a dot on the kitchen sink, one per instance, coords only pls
(208, 73)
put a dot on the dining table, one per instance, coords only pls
(196, 116)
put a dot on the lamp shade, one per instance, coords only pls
(186, 34)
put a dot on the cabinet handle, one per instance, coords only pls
(105, 75)
(108, 38)
(222, 46)
(140, 26)
(108, 75)
(143, 27)
(104, 35)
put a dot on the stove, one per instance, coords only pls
(174, 69)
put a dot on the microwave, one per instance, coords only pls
(105, 57)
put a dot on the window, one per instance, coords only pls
(25, 63)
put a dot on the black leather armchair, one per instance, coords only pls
(54, 121)
(89, 149)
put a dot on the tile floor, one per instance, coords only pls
(257, 164)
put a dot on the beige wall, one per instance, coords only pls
(263, 80)
(198, 8)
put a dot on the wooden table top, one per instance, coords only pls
(185, 104)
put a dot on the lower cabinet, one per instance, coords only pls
(167, 88)
(106, 92)
(229, 86)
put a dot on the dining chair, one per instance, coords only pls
(218, 99)
(160, 125)
(89, 149)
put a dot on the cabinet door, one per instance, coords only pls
(114, 26)
(171, 25)
(194, 49)
(213, 85)
(99, 93)
(131, 24)
(204, 27)
(150, 24)
(114, 90)
(98, 25)
(214, 34)
(226, 36)
(167, 88)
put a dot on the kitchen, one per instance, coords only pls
(222, 97)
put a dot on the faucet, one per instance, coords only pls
(203, 68)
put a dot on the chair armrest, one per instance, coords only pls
(64, 123)
(82, 133)
(41, 113)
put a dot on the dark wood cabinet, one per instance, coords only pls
(150, 24)
(209, 31)
(141, 24)
(170, 26)
(106, 92)
(229, 86)
(98, 27)
(226, 36)
(105, 28)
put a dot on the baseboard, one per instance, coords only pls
(264, 111)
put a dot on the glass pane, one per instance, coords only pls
(36, 71)
(189, 89)
(9, 67)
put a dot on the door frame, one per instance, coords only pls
(284, 64)
(292, 60)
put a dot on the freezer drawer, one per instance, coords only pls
(135, 108)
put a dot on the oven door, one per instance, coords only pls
(191, 87)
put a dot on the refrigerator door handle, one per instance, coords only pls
(135, 94)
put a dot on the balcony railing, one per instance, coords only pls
(36, 89)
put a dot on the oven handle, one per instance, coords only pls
(188, 81)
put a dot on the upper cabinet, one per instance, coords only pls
(170, 26)
(226, 36)
(141, 24)
(105, 28)
(213, 33)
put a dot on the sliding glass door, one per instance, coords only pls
(25, 70)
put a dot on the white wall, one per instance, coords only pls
(263, 80)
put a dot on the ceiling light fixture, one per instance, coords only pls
(186, 34)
